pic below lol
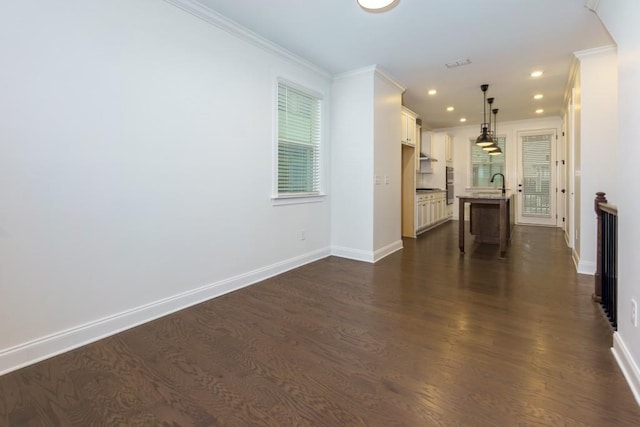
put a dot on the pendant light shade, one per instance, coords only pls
(484, 139)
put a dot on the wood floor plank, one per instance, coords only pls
(425, 337)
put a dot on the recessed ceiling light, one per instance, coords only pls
(539, 111)
(432, 92)
(537, 73)
(463, 119)
(450, 108)
(538, 96)
(377, 5)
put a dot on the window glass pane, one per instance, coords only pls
(298, 142)
(483, 166)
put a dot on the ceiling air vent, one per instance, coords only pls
(458, 63)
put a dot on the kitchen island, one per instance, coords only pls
(490, 217)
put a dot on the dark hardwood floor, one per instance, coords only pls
(425, 337)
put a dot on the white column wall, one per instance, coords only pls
(598, 143)
(352, 170)
(387, 228)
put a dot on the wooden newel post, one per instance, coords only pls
(597, 291)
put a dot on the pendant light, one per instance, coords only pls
(497, 151)
(494, 145)
(485, 138)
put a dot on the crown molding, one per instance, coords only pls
(353, 73)
(371, 69)
(385, 75)
(595, 51)
(220, 21)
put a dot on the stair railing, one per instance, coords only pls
(606, 277)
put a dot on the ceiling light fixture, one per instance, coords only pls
(537, 73)
(377, 5)
(463, 119)
(539, 111)
(432, 92)
(450, 108)
(485, 137)
(493, 149)
(538, 96)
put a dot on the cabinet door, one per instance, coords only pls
(424, 215)
(411, 130)
(408, 129)
(404, 127)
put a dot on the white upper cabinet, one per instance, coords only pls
(408, 126)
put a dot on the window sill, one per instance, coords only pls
(296, 200)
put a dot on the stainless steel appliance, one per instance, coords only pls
(449, 185)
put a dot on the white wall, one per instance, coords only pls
(621, 18)
(136, 169)
(352, 172)
(366, 166)
(598, 143)
(462, 150)
(387, 229)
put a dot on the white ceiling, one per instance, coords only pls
(504, 39)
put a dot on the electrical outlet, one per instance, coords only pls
(634, 313)
(303, 235)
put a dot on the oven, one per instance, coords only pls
(449, 185)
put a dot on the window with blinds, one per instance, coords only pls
(298, 166)
(483, 166)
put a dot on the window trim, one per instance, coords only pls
(278, 199)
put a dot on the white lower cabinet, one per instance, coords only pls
(431, 208)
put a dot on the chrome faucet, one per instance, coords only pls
(504, 191)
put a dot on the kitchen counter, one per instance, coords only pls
(491, 218)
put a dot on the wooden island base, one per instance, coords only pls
(491, 219)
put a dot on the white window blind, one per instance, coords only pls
(298, 142)
(483, 166)
(536, 179)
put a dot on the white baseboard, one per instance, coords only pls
(354, 254)
(575, 257)
(366, 256)
(586, 267)
(43, 348)
(387, 250)
(627, 365)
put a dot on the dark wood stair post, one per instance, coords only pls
(597, 291)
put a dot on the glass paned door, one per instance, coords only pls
(536, 187)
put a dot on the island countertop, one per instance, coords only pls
(485, 195)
